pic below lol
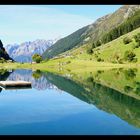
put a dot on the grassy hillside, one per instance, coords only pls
(113, 51)
(107, 56)
(66, 43)
(128, 25)
(92, 32)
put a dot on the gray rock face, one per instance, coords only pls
(24, 51)
(3, 53)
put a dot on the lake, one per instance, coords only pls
(84, 103)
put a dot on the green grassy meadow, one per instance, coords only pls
(77, 59)
(107, 52)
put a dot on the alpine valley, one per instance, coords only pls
(86, 83)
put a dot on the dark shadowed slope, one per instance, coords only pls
(3, 53)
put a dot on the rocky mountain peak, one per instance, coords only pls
(24, 51)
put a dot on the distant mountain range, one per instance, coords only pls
(92, 32)
(24, 51)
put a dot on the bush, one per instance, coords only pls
(136, 46)
(89, 51)
(99, 59)
(93, 45)
(130, 74)
(90, 79)
(96, 55)
(3, 71)
(137, 90)
(129, 56)
(127, 40)
(100, 71)
(137, 37)
(128, 89)
(2, 60)
(137, 87)
(68, 62)
(113, 61)
(37, 74)
(98, 43)
(37, 58)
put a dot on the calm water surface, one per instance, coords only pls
(59, 106)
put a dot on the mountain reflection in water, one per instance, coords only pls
(90, 91)
(37, 78)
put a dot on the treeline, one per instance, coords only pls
(130, 24)
(66, 43)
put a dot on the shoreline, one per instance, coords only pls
(75, 65)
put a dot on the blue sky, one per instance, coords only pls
(20, 23)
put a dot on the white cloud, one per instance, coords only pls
(30, 22)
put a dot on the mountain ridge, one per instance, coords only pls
(91, 32)
(23, 52)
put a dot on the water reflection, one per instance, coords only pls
(107, 99)
(130, 74)
(116, 91)
(37, 78)
(4, 74)
(126, 81)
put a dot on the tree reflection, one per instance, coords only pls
(37, 74)
(130, 74)
(103, 97)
